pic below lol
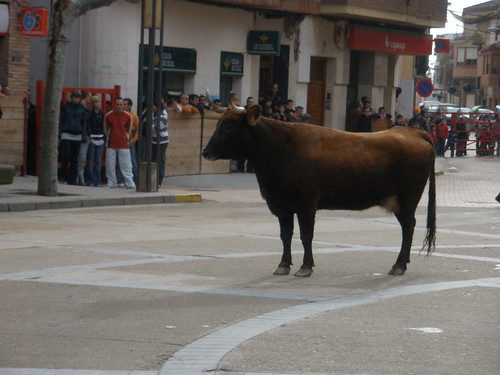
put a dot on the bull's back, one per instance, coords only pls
(341, 170)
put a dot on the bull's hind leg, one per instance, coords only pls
(306, 223)
(286, 233)
(406, 218)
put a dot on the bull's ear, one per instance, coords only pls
(253, 114)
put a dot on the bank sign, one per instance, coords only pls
(264, 42)
(380, 39)
(231, 64)
(34, 22)
(181, 60)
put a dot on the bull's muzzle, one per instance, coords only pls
(204, 153)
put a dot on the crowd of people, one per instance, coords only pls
(85, 132)
(447, 135)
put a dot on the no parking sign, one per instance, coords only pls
(424, 87)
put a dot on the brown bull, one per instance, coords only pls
(304, 168)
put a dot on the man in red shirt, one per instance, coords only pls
(117, 124)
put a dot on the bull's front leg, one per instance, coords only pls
(306, 223)
(286, 233)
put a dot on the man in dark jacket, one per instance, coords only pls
(72, 131)
(364, 123)
(418, 121)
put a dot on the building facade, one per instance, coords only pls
(470, 74)
(324, 54)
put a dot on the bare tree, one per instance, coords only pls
(64, 14)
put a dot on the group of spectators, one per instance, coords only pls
(273, 106)
(447, 136)
(85, 131)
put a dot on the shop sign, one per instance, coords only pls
(231, 64)
(441, 45)
(34, 22)
(264, 42)
(385, 40)
(180, 60)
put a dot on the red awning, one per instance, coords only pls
(386, 40)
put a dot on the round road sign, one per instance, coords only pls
(424, 87)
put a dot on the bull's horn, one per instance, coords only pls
(233, 107)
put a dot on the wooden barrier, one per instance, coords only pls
(12, 131)
(186, 134)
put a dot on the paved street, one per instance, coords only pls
(183, 288)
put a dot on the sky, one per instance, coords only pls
(453, 25)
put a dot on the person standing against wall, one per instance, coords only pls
(97, 141)
(159, 139)
(82, 156)
(133, 135)
(117, 125)
(72, 131)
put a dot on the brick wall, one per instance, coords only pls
(15, 52)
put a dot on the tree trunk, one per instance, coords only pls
(65, 12)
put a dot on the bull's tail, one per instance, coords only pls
(430, 237)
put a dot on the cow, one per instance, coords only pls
(302, 168)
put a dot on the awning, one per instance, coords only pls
(369, 38)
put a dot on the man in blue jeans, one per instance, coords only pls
(72, 131)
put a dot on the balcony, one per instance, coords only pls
(417, 14)
(490, 80)
(287, 6)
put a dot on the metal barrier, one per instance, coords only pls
(479, 132)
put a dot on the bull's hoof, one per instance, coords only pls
(304, 272)
(396, 271)
(282, 270)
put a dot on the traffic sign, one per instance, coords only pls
(424, 87)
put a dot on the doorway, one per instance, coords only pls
(274, 69)
(316, 90)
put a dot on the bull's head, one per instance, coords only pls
(231, 139)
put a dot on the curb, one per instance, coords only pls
(98, 202)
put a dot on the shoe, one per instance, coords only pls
(121, 185)
(131, 187)
(112, 186)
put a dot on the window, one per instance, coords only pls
(495, 68)
(466, 56)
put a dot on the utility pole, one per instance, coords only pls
(152, 21)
